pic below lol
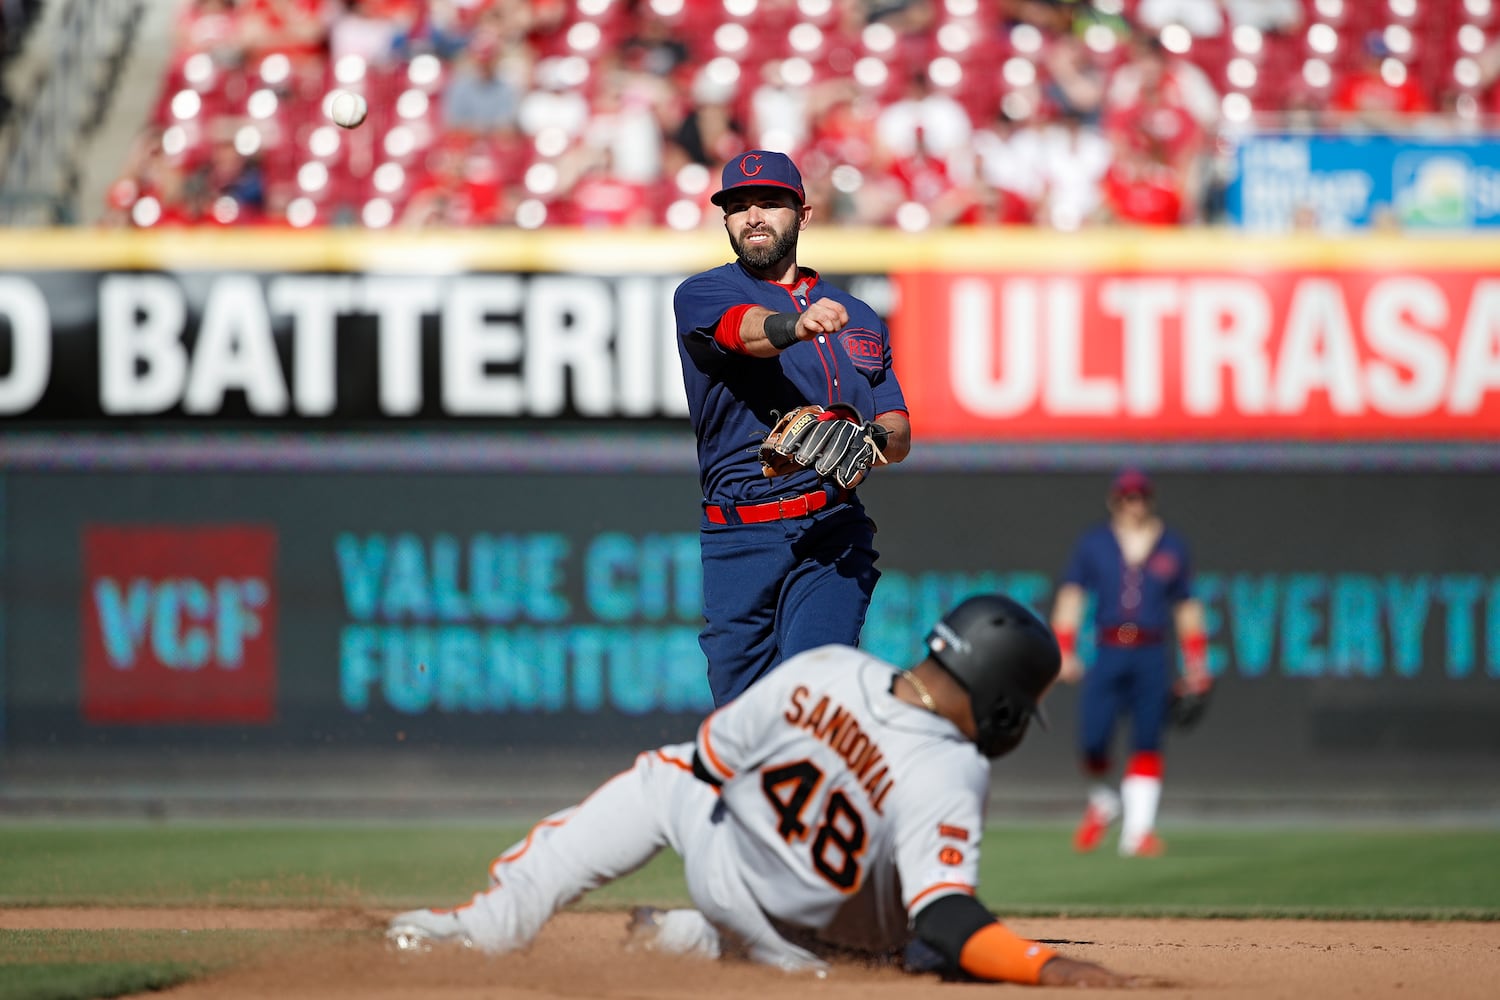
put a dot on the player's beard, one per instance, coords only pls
(767, 258)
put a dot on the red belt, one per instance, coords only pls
(778, 510)
(1128, 634)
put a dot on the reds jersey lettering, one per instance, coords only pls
(864, 347)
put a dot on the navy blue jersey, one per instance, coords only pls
(731, 395)
(1144, 594)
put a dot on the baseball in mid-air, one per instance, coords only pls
(347, 108)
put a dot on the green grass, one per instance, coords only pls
(69, 981)
(1293, 872)
(1438, 874)
(81, 965)
(63, 965)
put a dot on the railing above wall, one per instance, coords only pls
(38, 153)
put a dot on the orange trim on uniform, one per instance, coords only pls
(473, 902)
(967, 890)
(996, 952)
(727, 333)
(525, 845)
(683, 765)
(705, 743)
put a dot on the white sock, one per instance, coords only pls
(1140, 795)
(1104, 801)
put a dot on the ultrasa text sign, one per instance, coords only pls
(1286, 354)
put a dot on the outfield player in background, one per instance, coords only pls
(1139, 576)
(788, 563)
(834, 808)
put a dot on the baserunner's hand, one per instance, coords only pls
(1061, 971)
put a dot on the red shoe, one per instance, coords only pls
(1151, 846)
(1090, 831)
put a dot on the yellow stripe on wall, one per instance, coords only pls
(831, 250)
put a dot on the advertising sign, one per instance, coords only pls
(996, 336)
(330, 349)
(1331, 183)
(1177, 354)
(520, 623)
(179, 624)
(1353, 618)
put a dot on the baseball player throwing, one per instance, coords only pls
(1140, 576)
(788, 553)
(836, 806)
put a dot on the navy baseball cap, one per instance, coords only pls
(761, 168)
(1131, 481)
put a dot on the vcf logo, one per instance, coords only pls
(179, 624)
(186, 624)
(750, 164)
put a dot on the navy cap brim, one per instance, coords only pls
(718, 198)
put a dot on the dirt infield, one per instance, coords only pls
(580, 954)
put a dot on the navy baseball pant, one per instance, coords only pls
(775, 589)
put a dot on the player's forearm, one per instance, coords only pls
(761, 333)
(754, 339)
(1067, 616)
(1189, 618)
(1192, 635)
(997, 953)
(968, 936)
(1067, 609)
(898, 444)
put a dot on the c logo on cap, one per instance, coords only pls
(746, 169)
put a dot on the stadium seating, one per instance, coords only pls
(405, 166)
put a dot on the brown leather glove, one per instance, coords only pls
(836, 442)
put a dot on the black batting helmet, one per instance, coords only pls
(1005, 657)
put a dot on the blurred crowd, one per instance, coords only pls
(904, 113)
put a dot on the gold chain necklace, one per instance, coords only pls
(922, 692)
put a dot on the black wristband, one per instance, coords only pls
(781, 330)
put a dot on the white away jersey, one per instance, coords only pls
(835, 787)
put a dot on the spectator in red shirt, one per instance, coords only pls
(1143, 189)
(843, 129)
(603, 200)
(295, 28)
(460, 186)
(926, 180)
(1380, 92)
(209, 26)
(1159, 109)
